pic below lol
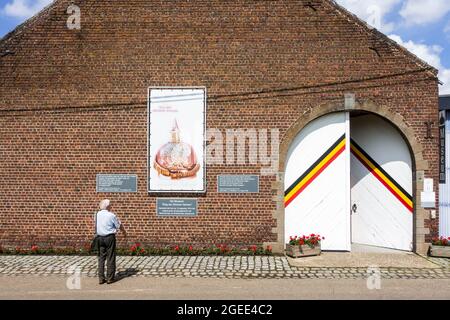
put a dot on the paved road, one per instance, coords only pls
(55, 287)
(164, 277)
(236, 267)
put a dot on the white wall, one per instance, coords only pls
(444, 189)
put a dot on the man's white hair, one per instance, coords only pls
(104, 204)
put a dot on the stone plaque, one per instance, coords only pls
(238, 184)
(428, 200)
(176, 207)
(116, 183)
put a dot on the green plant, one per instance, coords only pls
(441, 241)
(35, 249)
(137, 250)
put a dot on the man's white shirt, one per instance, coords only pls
(107, 223)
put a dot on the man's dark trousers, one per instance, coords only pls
(107, 251)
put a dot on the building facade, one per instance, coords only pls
(74, 103)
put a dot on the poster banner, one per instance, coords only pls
(176, 140)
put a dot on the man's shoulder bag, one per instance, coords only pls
(95, 245)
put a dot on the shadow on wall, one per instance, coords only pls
(380, 140)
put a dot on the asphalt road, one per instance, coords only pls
(55, 287)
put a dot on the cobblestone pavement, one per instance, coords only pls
(203, 266)
(443, 262)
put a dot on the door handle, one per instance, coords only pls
(354, 208)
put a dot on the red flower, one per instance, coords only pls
(269, 248)
(34, 248)
(177, 248)
(190, 248)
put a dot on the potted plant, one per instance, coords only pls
(304, 246)
(440, 247)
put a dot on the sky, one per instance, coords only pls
(421, 26)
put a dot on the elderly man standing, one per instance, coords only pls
(107, 227)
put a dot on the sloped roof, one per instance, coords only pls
(351, 18)
(24, 25)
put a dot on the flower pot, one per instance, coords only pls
(302, 251)
(440, 251)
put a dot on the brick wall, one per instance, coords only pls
(73, 104)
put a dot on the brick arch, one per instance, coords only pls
(419, 164)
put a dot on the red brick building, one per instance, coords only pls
(73, 104)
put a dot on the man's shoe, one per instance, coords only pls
(101, 281)
(111, 281)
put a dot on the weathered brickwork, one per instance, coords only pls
(73, 103)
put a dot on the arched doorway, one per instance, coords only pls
(348, 176)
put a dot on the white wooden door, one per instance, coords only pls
(317, 182)
(381, 185)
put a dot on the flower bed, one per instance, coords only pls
(221, 249)
(440, 247)
(139, 250)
